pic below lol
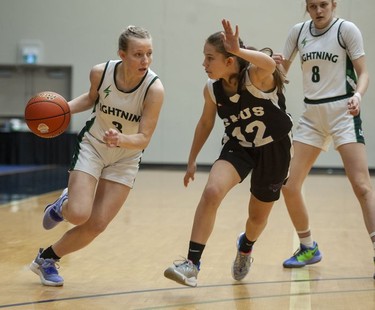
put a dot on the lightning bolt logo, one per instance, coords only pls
(107, 91)
(304, 41)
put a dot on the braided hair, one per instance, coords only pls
(129, 33)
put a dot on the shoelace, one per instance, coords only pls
(243, 259)
(50, 265)
(182, 261)
(300, 252)
(188, 263)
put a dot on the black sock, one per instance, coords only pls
(245, 244)
(49, 253)
(195, 252)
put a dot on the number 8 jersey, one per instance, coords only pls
(326, 58)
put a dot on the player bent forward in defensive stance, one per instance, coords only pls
(245, 89)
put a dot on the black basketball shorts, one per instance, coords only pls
(268, 165)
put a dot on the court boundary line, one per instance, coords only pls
(45, 301)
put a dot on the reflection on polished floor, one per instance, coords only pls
(123, 268)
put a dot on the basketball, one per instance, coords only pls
(47, 114)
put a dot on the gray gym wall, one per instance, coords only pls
(82, 33)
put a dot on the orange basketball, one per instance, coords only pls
(47, 114)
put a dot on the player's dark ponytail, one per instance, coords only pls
(277, 74)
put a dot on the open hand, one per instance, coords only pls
(230, 39)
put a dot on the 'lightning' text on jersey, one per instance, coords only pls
(319, 55)
(119, 113)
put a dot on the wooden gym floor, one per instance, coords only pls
(123, 268)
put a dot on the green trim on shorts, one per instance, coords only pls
(358, 129)
(77, 147)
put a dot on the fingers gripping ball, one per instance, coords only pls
(47, 114)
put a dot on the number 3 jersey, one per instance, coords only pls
(252, 117)
(115, 108)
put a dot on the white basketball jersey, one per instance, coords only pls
(326, 59)
(115, 108)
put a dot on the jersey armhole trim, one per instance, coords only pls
(149, 85)
(102, 78)
(340, 36)
(299, 34)
(210, 88)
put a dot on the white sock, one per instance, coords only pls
(307, 241)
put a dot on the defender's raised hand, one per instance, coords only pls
(230, 38)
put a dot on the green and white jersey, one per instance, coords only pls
(115, 108)
(326, 58)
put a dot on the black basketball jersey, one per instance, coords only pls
(252, 117)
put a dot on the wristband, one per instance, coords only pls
(358, 95)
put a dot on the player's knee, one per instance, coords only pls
(363, 190)
(212, 195)
(76, 216)
(289, 190)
